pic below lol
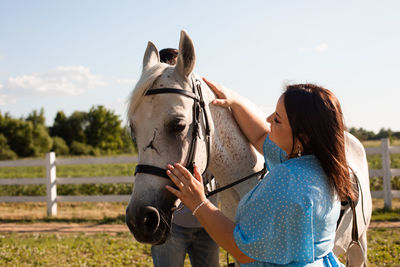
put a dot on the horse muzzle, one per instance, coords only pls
(147, 224)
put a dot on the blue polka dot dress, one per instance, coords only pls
(289, 218)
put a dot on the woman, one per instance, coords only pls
(290, 217)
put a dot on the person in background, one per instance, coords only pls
(169, 56)
(289, 218)
(187, 234)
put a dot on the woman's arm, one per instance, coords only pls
(254, 127)
(191, 193)
(220, 228)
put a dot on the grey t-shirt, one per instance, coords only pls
(183, 215)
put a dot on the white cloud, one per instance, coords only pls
(6, 99)
(125, 81)
(320, 48)
(64, 80)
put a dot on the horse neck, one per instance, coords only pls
(232, 156)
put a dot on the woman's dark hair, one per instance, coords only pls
(167, 54)
(316, 120)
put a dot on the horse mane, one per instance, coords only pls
(145, 82)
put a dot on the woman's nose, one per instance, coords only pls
(269, 119)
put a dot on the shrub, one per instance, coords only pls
(7, 154)
(59, 146)
(5, 151)
(78, 148)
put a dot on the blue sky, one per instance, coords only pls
(71, 55)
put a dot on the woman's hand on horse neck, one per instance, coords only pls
(191, 193)
(254, 127)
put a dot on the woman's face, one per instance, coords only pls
(281, 132)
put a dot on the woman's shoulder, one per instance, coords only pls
(307, 175)
(304, 164)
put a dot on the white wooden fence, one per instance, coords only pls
(386, 172)
(52, 180)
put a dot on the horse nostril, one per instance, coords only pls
(151, 219)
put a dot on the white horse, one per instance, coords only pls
(162, 124)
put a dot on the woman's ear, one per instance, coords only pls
(303, 141)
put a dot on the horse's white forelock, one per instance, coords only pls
(145, 82)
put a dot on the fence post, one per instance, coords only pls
(387, 175)
(51, 186)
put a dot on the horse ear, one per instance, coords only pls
(186, 56)
(151, 56)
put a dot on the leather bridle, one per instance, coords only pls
(199, 110)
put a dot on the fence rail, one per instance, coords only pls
(385, 150)
(51, 181)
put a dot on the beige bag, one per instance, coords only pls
(355, 249)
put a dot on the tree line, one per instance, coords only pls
(364, 135)
(96, 132)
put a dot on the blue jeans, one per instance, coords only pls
(202, 250)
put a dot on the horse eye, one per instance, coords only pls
(176, 126)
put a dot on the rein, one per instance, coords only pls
(198, 110)
(260, 173)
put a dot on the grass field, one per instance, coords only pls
(120, 249)
(105, 249)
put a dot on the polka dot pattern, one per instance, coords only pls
(289, 217)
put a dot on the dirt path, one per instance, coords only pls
(62, 228)
(96, 228)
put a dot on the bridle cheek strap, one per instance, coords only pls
(198, 110)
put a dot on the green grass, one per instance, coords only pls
(103, 249)
(72, 250)
(380, 215)
(376, 143)
(384, 247)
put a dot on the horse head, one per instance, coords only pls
(163, 124)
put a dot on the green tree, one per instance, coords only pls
(41, 140)
(70, 128)
(5, 151)
(362, 134)
(59, 125)
(128, 145)
(104, 130)
(37, 118)
(27, 138)
(19, 135)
